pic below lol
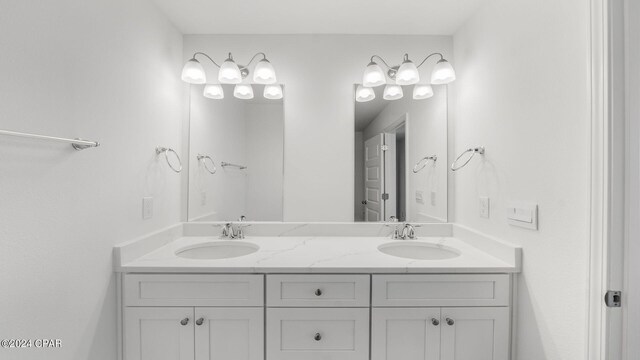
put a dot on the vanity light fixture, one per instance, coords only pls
(272, 92)
(364, 94)
(392, 92)
(421, 91)
(213, 91)
(407, 74)
(231, 72)
(243, 91)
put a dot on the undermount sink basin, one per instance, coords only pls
(218, 250)
(419, 251)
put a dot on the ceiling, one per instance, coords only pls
(398, 17)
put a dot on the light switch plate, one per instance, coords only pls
(433, 198)
(147, 208)
(419, 197)
(484, 207)
(523, 215)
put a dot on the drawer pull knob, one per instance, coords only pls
(318, 292)
(318, 337)
(450, 322)
(199, 321)
(435, 321)
(184, 321)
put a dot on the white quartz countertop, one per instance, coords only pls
(318, 255)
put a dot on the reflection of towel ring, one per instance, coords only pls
(424, 162)
(160, 150)
(474, 151)
(203, 159)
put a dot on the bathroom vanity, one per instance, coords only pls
(316, 297)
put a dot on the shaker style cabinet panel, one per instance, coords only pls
(229, 333)
(475, 333)
(405, 334)
(158, 333)
(318, 290)
(193, 290)
(317, 334)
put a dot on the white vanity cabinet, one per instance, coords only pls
(316, 317)
(430, 328)
(187, 317)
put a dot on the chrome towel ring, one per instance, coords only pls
(423, 163)
(166, 151)
(474, 151)
(203, 159)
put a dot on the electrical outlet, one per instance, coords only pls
(484, 207)
(147, 208)
(203, 198)
(433, 198)
(419, 197)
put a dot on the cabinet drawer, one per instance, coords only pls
(318, 290)
(313, 334)
(193, 290)
(440, 290)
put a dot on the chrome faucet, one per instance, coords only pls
(231, 231)
(227, 231)
(408, 232)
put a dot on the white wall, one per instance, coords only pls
(265, 154)
(523, 91)
(319, 72)
(218, 129)
(426, 136)
(100, 70)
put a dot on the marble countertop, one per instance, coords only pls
(318, 254)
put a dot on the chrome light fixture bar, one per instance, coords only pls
(404, 74)
(231, 72)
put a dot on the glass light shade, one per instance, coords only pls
(264, 73)
(442, 73)
(229, 73)
(422, 92)
(243, 91)
(364, 94)
(373, 76)
(272, 92)
(193, 72)
(213, 91)
(407, 73)
(392, 92)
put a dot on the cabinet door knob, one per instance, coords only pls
(318, 292)
(318, 337)
(199, 321)
(449, 321)
(184, 321)
(435, 321)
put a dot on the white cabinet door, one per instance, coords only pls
(229, 333)
(405, 334)
(475, 333)
(160, 333)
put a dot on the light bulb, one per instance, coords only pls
(213, 91)
(407, 73)
(193, 72)
(243, 91)
(442, 73)
(229, 72)
(264, 73)
(373, 76)
(364, 94)
(272, 92)
(392, 92)
(422, 92)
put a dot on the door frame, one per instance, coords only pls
(607, 205)
(402, 121)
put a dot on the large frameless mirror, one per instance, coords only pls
(400, 154)
(236, 154)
